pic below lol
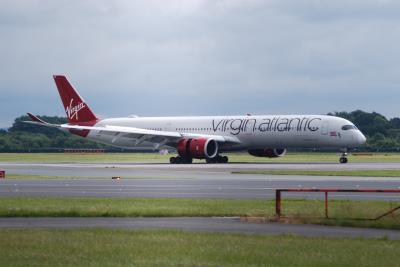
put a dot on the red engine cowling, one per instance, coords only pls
(268, 152)
(183, 148)
(198, 148)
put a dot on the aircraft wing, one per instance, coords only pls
(147, 135)
(138, 135)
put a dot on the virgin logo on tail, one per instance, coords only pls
(72, 111)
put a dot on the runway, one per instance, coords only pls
(186, 181)
(201, 224)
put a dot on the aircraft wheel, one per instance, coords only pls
(187, 160)
(180, 160)
(218, 159)
(210, 160)
(343, 160)
(172, 160)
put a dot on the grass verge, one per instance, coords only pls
(342, 212)
(103, 247)
(128, 207)
(157, 158)
(360, 173)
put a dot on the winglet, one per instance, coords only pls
(36, 119)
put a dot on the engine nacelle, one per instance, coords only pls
(198, 148)
(268, 152)
(183, 148)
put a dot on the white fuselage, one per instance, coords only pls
(251, 132)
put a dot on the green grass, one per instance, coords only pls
(317, 157)
(157, 158)
(79, 158)
(362, 173)
(127, 207)
(342, 212)
(103, 247)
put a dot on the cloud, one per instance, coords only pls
(201, 57)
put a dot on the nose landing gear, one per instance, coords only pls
(343, 158)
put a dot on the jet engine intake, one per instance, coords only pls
(198, 148)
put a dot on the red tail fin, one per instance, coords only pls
(76, 109)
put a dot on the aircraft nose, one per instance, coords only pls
(361, 138)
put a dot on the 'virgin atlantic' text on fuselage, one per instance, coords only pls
(275, 124)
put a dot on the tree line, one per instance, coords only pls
(382, 134)
(24, 137)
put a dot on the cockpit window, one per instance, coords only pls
(349, 127)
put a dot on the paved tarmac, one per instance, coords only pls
(200, 224)
(159, 170)
(237, 188)
(187, 181)
(190, 181)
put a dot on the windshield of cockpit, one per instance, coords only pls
(349, 127)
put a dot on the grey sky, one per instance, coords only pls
(198, 57)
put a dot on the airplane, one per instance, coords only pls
(206, 137)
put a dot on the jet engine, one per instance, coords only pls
(268, 152)
(198, 148)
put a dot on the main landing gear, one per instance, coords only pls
(184, 160)
(343, 157)
(180, 160)
(218, 159)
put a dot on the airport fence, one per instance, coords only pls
(326, 191)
